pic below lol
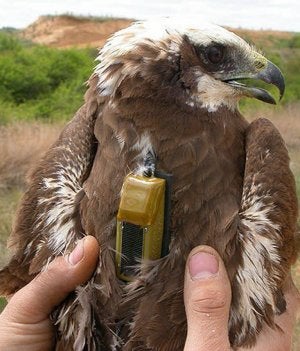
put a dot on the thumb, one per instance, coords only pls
(207, 297)
(35, 301)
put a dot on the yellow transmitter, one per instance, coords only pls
(140, 223)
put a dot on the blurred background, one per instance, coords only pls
(47, 52)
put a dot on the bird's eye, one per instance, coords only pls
(215, 54)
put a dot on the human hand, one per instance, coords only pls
(25, 323)
(207, 296)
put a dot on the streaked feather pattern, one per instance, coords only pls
(233, 190)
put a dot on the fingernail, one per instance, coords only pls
(77, 254)
(203, 265)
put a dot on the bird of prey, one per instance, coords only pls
(164, 98)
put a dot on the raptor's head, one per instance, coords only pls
(202, 65)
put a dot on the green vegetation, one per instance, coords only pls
(38, 82)
(285, 53)
(47, 84)
(2, 303)
(70, 15)
(8, 205)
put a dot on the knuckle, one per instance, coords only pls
(51, 273)
(209, 301)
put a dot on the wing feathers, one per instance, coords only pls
(266, 232)
(47, 222)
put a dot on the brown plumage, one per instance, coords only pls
(173, 92)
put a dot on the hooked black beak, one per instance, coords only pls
(271, 74)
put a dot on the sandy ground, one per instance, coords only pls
(65, 31)
(68, 31)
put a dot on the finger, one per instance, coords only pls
(207, 296)
(36, 300)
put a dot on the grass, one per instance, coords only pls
(287, 120)
(39, 82)
(45, 84)
(21, 145)
(84, 18)
(8, 204)
(9, 199)
(2, 303)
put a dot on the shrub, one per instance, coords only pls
(41, 82)
(38, 82)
